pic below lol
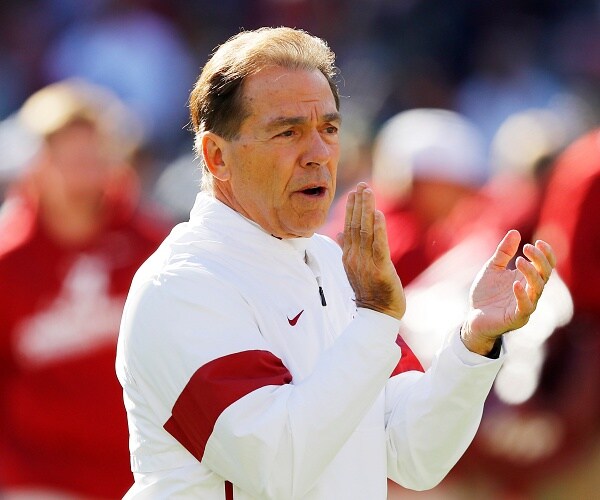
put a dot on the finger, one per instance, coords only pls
(524, 306)
(366, 222)
(539, 260)
(534, 281)
(356, 215)
(381, 248)
(506, 249)
(350, 201)
(548, 252)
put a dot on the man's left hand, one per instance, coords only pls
(503, 299)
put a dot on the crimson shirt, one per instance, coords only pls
(62, 420)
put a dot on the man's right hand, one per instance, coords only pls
(366, 256)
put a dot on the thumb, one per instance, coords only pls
(506, 249)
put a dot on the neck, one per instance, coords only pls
(72, 222)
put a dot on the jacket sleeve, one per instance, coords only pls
(221, 392)
(432, 417)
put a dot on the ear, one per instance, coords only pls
(212, 151)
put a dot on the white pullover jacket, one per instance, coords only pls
(249, 373)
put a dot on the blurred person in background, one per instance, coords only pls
(73, 233)
(425, 163)
(570, 216)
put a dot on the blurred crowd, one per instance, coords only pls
(485, 59)
(467, 117)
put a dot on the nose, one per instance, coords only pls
(318, 151)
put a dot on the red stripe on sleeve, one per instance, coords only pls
(215, 386)
(408, 361)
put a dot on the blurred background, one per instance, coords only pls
(484, 58)
(469, 117)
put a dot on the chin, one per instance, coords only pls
(295, 231)
(307, 231)
(303, 227)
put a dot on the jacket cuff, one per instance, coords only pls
(496, 355)
(380, 321)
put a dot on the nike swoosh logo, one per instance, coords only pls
(294, 320)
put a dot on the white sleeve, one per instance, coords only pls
(432, 417)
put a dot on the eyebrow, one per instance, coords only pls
(287, 121)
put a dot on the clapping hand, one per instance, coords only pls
(366, 256)
(503, 299)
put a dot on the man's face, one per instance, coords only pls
(78, 163)
(282, 166)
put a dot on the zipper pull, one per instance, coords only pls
(323, 302)
(321, 293)
(314, 267)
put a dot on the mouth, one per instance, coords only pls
(314, 191)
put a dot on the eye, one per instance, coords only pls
(286, 133)
(331, 129)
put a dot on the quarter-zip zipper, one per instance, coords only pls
(321, 293)
(313, 265)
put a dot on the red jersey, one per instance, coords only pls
(62, 420)
(570, 220)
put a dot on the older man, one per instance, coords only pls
(257, 357)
